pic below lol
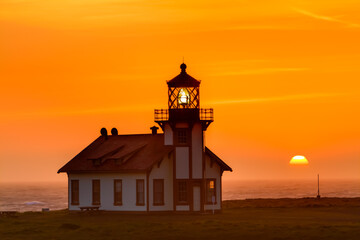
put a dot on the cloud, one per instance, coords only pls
(261, 71)
(325, 18)
(279, 98)
(77, 112)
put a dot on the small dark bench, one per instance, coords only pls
(8, 213)
(89, 208)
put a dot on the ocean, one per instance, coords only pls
(35, 196)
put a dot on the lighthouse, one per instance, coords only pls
(184, 124)
(152, 172)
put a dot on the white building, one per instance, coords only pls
(173, 171)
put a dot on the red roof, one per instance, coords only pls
(119, 153)
(125, 153)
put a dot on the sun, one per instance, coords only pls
(299, 160)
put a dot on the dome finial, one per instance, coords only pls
(183, 67)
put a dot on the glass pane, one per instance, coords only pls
(182, 192)
(140, 192)
(140, 185)
(158, 191)
(158, 186)
(210, 191)
(74, 191)
(141, 198)
(183, 97)
(96, 185)
(118, 186)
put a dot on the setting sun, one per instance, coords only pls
(299, 160)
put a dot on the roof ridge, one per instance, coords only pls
(137, 134)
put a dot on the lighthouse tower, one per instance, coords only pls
(184, 124)
(153, 172)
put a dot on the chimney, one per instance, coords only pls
(154, 130)
(104, 133)
(114, 132)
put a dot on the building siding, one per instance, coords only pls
(163, 171)
(107, 191)
(197, 150)
(182, 208)
(168, 135)
(182, 162)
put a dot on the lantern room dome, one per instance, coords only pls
(183, 67)
(183, 79)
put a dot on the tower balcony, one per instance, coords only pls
(204, 115)
(161, 115)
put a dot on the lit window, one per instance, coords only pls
(210, 191)
(183, 97)
(211, 184)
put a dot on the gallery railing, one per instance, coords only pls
(205, 114)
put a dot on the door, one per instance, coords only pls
(196, 198)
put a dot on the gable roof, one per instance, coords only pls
(126, 153)
(221, 163)
(119, 153)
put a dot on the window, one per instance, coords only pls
(182, 136)
(74, 192)
(158, 191)
(183, 97)
(96, 192)
(210, 191)
(117, 192)
(182, 192)
(140, 192)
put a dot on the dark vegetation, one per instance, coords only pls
(326, 218)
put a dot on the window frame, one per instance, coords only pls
(182, 134)
(186, 135)
(118, 202)
(138, 203)
(75, 195)
(208, 180)
(161, 202)
(93, 192)
(178, 201)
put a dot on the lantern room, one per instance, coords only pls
(184, 102)
(183, 91)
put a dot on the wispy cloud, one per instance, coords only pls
(279, 98)
(261, 71)
(325, 18)
(77, 112)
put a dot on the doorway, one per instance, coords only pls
(196, 199)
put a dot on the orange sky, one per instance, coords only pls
(282, 77)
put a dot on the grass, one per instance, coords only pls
(241, 219)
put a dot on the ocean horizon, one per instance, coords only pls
(33, 196)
